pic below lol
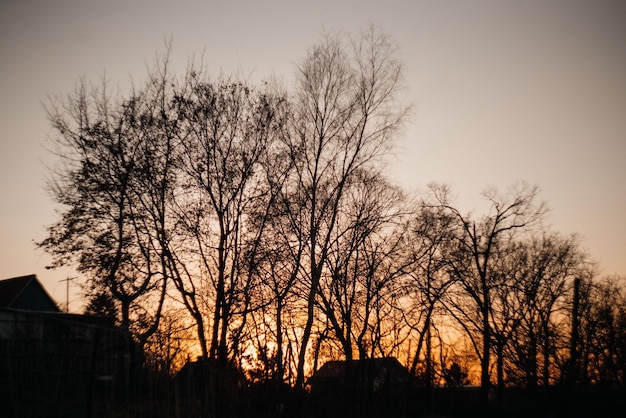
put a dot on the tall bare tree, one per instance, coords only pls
(427, 271)
(478, 243)
(365, 240)
(602, 343)
(541, 271)
(104, 229)
(276, 261)
(345, 114)
(225, 129)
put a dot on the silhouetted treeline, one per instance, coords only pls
(253, 226)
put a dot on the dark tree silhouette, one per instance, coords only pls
(541, 271)
(104, 229)
(477, 247)
(427, 272)
(345, 113)
(224, 130)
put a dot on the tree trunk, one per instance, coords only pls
(125, 302)
(500, 369)
(306, 334)
(531, 377)
(222, 352)
(546, 354)
(201, 336)
(280, 369)
(484, 363)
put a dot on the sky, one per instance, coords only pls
(502, 92)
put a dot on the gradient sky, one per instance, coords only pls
(503, 91)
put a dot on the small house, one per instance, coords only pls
(51, 360)
(375, 387)
(375, 374)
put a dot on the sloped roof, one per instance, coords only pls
(26, 293)
(337, 368)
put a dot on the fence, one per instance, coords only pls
(62, 365)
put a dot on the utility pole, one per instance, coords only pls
(67, 292)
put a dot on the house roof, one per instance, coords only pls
(337, 368)
(26, 293)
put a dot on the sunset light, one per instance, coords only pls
(312, 209)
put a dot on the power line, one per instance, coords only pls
(67, 292)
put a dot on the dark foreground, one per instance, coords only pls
(273, 401)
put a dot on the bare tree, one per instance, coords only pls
(477, 245)
(104, 229)
(365, 241)
(541, 272)
(225, 128)
(427, 273)
(602, 342)
(345, 114)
